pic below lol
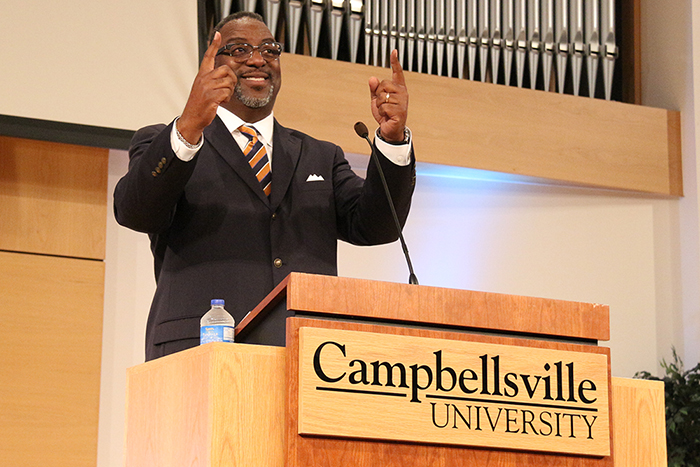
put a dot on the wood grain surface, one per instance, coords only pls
(426, 306)
(640, 428)
(214, 405)
(51, 346)
(563, 138)
(312, 451)
(171, 420)
(53, 198)
(385, 386)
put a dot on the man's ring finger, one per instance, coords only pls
(387, 98)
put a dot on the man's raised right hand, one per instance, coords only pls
(212, 87)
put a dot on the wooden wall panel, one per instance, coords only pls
(562, 138)
(50, 342)
(53, 198)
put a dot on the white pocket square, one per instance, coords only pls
(315, 178)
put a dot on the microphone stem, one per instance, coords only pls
(412, 279)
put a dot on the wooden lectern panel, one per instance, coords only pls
(224, 404)
(640, 431)
(402, 304)
(238, 404)
(214, 405)
(328, 452)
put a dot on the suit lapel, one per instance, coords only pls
(286, 150)
(219, 137)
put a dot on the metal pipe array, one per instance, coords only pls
(553, 45)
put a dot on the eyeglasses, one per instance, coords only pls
(269, 51)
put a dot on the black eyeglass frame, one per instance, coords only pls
(226, 50)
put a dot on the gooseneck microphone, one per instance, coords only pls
(363, 132)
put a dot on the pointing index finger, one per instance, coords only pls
(396, 69)
(210, 54)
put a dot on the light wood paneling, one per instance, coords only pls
(575, 140)
(639, 428)
(53, 198)
(214, 405)
(50, 342)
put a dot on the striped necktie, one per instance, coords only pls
(256, 155)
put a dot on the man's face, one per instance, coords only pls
(258, 81)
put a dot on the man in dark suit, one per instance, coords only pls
(223, 226)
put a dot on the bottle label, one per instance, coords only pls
(215, 334)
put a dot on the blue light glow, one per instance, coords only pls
(425, 169)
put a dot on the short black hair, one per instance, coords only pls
(234, 17)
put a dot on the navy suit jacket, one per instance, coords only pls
(214, 233)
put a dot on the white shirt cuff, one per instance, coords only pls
(181, 151)
(399, 154)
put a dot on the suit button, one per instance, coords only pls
(154, 174)
(157, 169)
(277, 263)
(160, 165)
(164, 160)
(274, 216)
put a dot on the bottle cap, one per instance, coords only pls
(217, 302)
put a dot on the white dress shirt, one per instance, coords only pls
(399, 154)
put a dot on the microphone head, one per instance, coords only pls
(361, 130)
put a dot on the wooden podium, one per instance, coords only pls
(241, 404)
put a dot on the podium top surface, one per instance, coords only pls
(404, 304)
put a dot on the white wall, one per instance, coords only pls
(562, 243)
(117, 64)
(670, 77)
(129, 287)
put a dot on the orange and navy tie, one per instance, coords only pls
(257, 158)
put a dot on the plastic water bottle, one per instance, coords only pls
(216, 325)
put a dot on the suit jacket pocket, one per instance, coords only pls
(177, 329)
(315, 185)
